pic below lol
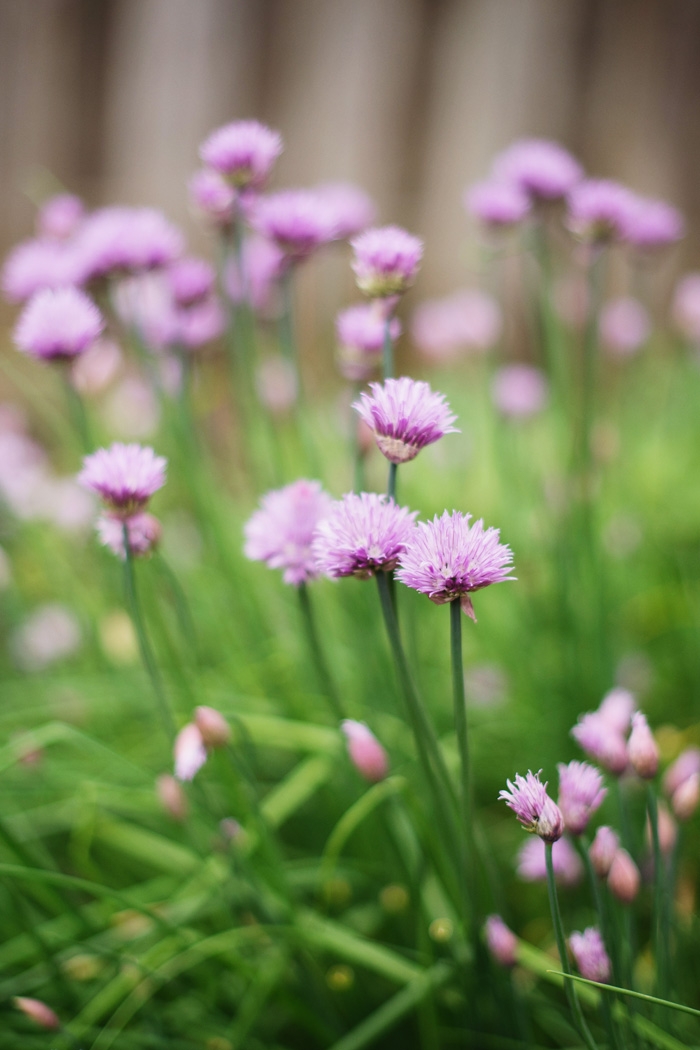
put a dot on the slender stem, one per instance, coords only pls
(571, 995)
(387, 350)
(147, 656)
(317, 652)
(460, 707)
(660, 925)
(76, 408)
(582, 846)
(391, 487)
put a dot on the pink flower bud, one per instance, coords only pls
(623, 879)
(366, 753)
(687, 763)
(39, 1012)
(171, 796)
(642, 749)
(668, 832)
(501, 941)
(213, 727)
(591, 957)
(686, 797)
(190, 752)
(603, 849)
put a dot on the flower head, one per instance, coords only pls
(245, 151)
(467, 320)
(603, 849)
(501, 941)
(533, 807)
(125, 476)
(143, 532)
(350, 209)
(532, 862)
(598, 210)
(191, 280)
(360, 332)
(59, 216)
(589, 952)
(58, 324)
(623, 877)
(601, 741)
(497, 204)
(405, 416)
(213, 196)
(189, 752)
(542, 169)
(121, 240)
(686, 765)
(362, 535)
(366, 753)
(642, 749)
(298, 221)
(652, 224)
(280, 533)
(446, 559)
(386, 260)
(519, 391)
(581, 792)
(624, 326)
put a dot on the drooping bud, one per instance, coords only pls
(501, 941)
(366, 753)
(686, 797)
(213, 727)
(39, 1012)
(603, 849)
(624, 878)
(642, 749)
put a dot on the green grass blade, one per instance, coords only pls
(628, 991)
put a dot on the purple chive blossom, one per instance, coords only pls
(446, 559)
(642, 749)
(581, 792)
(467, 320)
(616, 709)
(115, 241)
(280, 533)
(601, 741)
(652, 224)
(589, 953)
(125, 476)
(263, 265)
(497, 205)
(350, 208)
(599, 209)
(191, 280)
(501, 941)
(542, 169)
(298, 221)
(386, 261)
(245, 151)
(59, 216)
(362, 535)
(143, 530)
(360, 332)
(532, 862)
(533, 807)
(212, 195)
(624, 326)
(58, 324)
(405, 415)
(366, 753)
(35, 265)
(519, 391)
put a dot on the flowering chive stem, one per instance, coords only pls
(144, 644)
(387, 351)
(609, 941)
(391, 487)
(78, 413)
(660, 925)
(322, 668)
(571, 996)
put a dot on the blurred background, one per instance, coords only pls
(408, 98)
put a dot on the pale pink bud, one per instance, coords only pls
(171, 796)
(687, 763)
(190, 752)
(642, 749)
(501, 941)
(366, 753)
(603, 849)
(623, 879)
(213, 727)
(39, 1012)
(668, 832)
(686, 797)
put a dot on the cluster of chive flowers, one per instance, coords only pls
(125, 477)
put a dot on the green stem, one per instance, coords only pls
(460, 716)
(609, 942)
(387, 350)
(660, 924)
(317, 652)
(391, 487)
(76, 409)
(147, 656)
(569, 988)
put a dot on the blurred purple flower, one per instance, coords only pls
(624, 326)
(685, 309)
(59, 216)
(652, 224)
(362, 535)
(466, 320)
(532, 863)
(501, 941)
(189, 752)
(280, 533)
(298, 221)
(245, 151)
(121, 240)
(58, 324)
(125, 476)
(598, 210)
(191, 280)
(349, 208)
(497, 204)
(581, 792)
(601, 741)
(143, 530)
(360, 331)
(603, 849)
(519, 391)
(642, 749)
(366, 753)
(542, 169)
(686, 765)
(589, 953)
(212, 195)
(386, 260)
(35, 265)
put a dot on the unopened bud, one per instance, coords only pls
(624, 879)
(213, 727)
(366, 753)
(190, 752)
(39, 1012)
(501, 941)
(687, 763)
(603, 849)
(172, 797)
(642, 749)
(686, 797)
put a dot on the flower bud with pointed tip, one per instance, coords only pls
(624, 878)
(686, 797)
(171, 796)
(213, 727)
(642, 749)
(501, 941)
(687, 763)
(39, 1012)
(366, 753)
(603, 849)
(190, 752)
